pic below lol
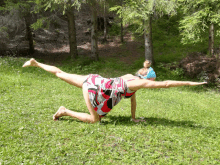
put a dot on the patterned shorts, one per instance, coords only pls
(105, 93)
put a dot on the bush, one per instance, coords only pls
(115, 30)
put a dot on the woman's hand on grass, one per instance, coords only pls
(138, 120)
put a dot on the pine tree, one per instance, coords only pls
(25, 8)
(94, 31)
(67, 8)
(140, 11)
(200, 17)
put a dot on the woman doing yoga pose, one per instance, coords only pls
(102, 94)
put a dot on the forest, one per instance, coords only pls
(71, 29)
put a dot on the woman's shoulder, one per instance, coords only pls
(129, 77)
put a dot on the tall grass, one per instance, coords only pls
(182, 124)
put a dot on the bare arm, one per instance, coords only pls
(142, 83)
(133, 106)
(133, 109)
(170, 83)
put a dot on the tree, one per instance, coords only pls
(200, 17)
(211, 39)
(24, 7)
(122, 27)
(119, 7)
(29, 35)
(142, 11)
(67, 7)
(72, 31)
(105, 21)
(148, 42)
(94, 35)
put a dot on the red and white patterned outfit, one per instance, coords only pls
(105, 93)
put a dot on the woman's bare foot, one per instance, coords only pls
(31, 62)
(59, 113)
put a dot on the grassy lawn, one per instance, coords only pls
(182, 124)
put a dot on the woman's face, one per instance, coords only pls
(146, 64)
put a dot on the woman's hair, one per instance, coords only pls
(147, 64)
(143, 71)
(146, 71)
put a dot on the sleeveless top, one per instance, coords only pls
(105, 93)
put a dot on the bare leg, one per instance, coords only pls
(73, 79)
(76, 80)
(92, 118)
(48, 68)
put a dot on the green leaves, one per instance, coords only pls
(191, 30)
(39, 23)
(62, 5)
(137, 11)
(198, 16)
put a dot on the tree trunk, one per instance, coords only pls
(122, 28)
(72, 33)
(105, 24)
(148, 40)
(218, 61)
(94, 34)
(29, 35)
(211, 40)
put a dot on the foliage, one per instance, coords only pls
(137, 11)
(52, 5)
(58, 4)
(114, 30)
(198, 15)
(3, 29)
(40, 22)
(23, 6)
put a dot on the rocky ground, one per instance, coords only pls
(198, 65)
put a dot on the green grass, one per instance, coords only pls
(182, 124)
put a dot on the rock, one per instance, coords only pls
(200, 66)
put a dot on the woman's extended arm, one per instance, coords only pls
(170, 83)
(133, 106)
(142, 83)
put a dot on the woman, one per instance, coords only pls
(101, 94)
(146, 72)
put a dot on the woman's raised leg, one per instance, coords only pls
(76, 80)
(93, 117)
(73, 79)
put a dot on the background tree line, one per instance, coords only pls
(198, 20)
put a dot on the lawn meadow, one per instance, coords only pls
(182, 124)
